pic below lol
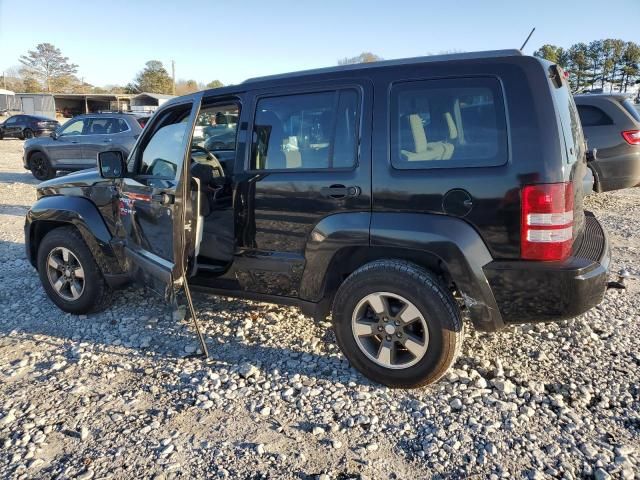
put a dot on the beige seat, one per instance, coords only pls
(451, 125)
(423, 149)
(293, 158)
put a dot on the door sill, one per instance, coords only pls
(311, 309)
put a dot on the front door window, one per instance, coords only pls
(160, 159)
(74, 127)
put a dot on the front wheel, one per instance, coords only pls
(397, 323)
(28, 133)
(69, 273)
(41, 167)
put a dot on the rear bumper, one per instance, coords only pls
(43, 132)
(551, 291)
(619, 172)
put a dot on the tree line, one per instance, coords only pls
(45, 69)
(610, 64)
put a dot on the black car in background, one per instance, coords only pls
(611, 125)
(27, 126)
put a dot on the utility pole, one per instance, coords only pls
(173, 77)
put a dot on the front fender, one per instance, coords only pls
(53, 211)
(457, 244)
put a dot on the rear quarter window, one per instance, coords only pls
(447, 123)
(570, 124)
(591, 116)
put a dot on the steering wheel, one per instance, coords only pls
(207, 171)
(207, 153)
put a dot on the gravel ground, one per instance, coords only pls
(112, 395)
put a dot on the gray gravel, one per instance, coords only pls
(113, 395)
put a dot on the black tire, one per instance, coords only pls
(96, 294)
(1, 135)
(27, 133)
(41, 167)
(436, 305)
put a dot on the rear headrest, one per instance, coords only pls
(453, 130)
(417, 131)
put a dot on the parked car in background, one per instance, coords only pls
(27, 126)
(76, 144)
(611, 124)
(399, 196)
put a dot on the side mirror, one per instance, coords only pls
(592, 155)
(54, 135)
(111, 164)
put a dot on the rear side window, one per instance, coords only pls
(118, 126)
(306, 131)
(448, 123)
(591, 116)
(629, 107)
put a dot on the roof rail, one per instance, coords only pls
(391, 63)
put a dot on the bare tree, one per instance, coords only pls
(364, 57)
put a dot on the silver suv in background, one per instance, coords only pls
(76, 144)
(611, 125)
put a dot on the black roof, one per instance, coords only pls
(232, 89)
(392, 63)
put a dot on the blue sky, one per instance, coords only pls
(231, 41)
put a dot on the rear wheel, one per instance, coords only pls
(41, 167)
(27, 133)
(69, 273)
(397, 323)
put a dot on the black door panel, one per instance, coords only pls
(301, 169)
(151, 204)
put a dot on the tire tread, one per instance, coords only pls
(429, 281)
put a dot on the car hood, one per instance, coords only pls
(32, 142)
(74, 183)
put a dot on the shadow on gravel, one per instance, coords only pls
(142, 323)
(13, 177)
(18, 210)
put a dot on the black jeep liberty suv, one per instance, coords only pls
(397, 196)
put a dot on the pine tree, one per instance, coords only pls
(47, 65)
(153, 79)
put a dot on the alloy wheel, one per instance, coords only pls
(38, 167)
(65, 273)
(390, 330)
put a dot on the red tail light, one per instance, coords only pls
(546, 231)
(632, 136)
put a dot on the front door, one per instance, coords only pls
(12, 126)
(102, 133)
(152, 210)
(66, 148)
(308, 161)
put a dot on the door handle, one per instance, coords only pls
(74, 141)
(107, 140)
(340, 191)
(163, 198)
